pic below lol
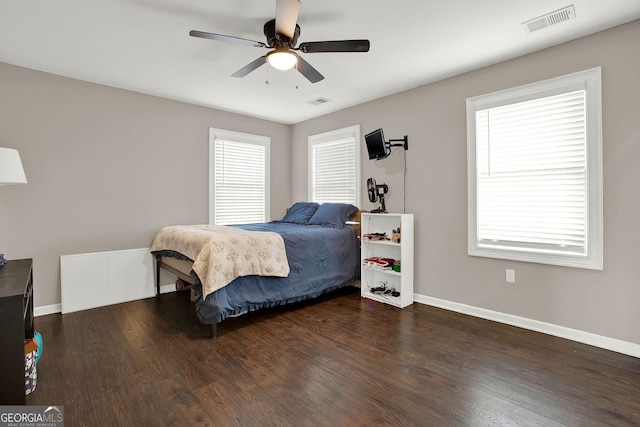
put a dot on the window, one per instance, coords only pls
(535, 172)
(238, 177)
(334, 166)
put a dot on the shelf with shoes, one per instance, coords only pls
(386, 272)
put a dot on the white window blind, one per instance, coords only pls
(239, 180)
(535, 172)
(334, 171)
(334, 166)
(532, 174)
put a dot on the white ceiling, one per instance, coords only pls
(144, 46)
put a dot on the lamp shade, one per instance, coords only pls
(281, 59)
(11, 171)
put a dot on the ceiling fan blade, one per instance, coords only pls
(335, 46)
(307, 70)
(223, 38)
(287, 17)
(250, 67)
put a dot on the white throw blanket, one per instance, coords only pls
(221, 254)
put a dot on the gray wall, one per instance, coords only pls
(433, 116)
(107, 168)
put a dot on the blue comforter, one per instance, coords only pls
(321, 259)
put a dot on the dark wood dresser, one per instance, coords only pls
(16, 326)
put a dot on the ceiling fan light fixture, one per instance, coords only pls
(282, 59)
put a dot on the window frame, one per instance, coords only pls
(245, 138)
(589, 81)
(331, 137)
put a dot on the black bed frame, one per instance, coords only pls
(181, 275)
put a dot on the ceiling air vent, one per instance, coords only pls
(549, 19)
(319, 101)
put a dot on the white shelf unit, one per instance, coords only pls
(373, 277)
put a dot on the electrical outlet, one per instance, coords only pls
(510, 276)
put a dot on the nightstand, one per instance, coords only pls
(16, 326)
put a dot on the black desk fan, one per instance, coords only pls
(377, 191)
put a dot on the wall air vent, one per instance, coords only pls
(319, 101)
(550, 19)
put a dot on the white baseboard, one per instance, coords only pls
(47, 309)
(600, 341)
(165, 289)
(606, 343)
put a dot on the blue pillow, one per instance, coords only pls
(333, 214)
(300, 212)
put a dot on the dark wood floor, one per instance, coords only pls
(342, 361)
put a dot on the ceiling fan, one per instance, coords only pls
(282, 35)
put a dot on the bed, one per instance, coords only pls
(241, 268)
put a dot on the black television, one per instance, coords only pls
(376, 145)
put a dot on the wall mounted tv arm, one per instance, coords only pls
(405, 143)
